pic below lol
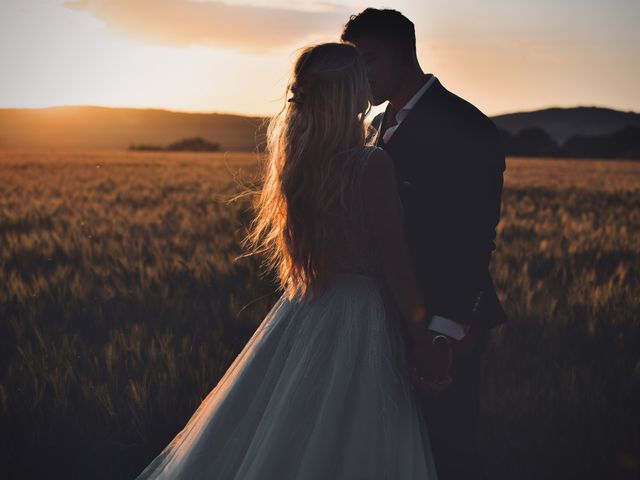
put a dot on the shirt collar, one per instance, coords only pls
(404, 111)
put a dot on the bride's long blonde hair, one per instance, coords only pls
(314, 144)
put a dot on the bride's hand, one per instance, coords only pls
(429, 366)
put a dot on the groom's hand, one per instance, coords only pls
(465, 345)
(430, 365)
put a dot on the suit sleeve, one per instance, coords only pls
(485, 202)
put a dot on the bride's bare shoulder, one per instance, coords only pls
(377, 152)
(379, 167)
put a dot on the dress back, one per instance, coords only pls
(356, 249)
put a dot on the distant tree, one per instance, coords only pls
(194, 144)
(529, 142)
(145, 148)
(535, 142)
(623, 143)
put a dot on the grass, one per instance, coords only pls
(121, 307)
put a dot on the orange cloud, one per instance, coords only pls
(187, 22)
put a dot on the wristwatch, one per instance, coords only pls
(440, 341)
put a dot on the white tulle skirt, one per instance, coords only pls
(320, 391)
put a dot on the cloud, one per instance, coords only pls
(213, 23)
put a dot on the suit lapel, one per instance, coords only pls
(383, 125)
(419, 114)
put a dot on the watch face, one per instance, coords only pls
(440, 341)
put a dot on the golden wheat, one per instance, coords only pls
(121, 306)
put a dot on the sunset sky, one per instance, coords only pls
(235, 56)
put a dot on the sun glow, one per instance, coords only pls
(205, 56)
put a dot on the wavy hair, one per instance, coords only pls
(313, 144)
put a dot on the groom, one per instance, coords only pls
(449, 167)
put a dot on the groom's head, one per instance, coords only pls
(387, 41)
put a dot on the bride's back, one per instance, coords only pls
(353, 246)
(311, 218)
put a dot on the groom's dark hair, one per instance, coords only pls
(386, 25)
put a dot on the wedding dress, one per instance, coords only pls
(320, 391)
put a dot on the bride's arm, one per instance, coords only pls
(385, 215)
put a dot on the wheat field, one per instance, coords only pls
(122, 303)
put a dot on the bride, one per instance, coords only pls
(322, 389)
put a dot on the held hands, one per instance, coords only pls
(429, 363)
(430, 356)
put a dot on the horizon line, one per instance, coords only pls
(214, 112)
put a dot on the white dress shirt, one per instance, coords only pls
(438, 323)
(404, 111)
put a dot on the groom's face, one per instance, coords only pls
(383, 67)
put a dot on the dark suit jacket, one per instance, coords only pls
(449, 165)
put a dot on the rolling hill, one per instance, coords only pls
(563, 123)
(117, 128)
